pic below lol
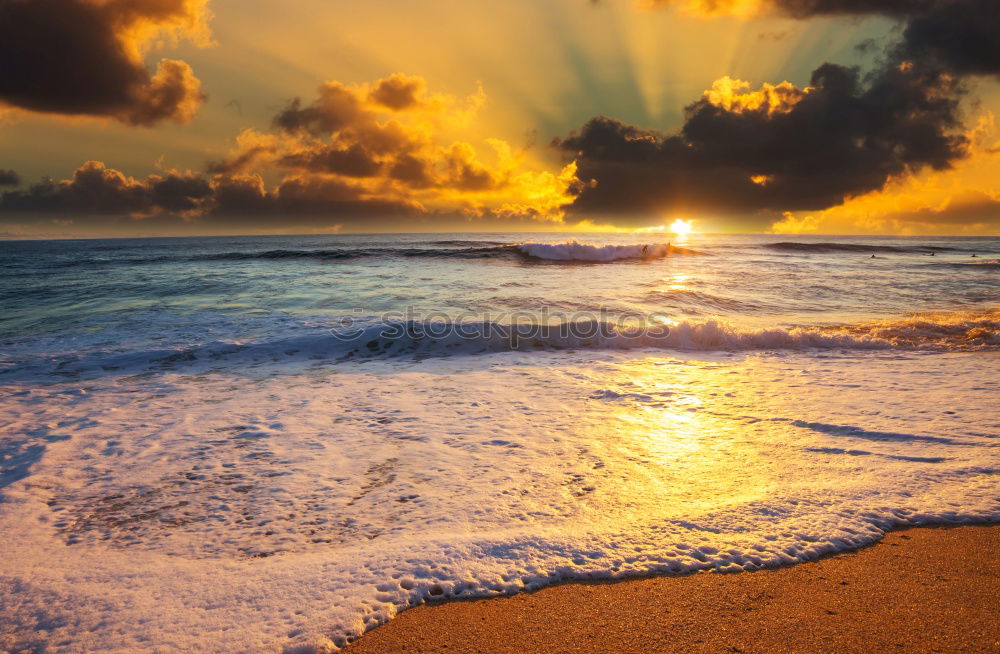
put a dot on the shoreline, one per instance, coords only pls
(920, 589)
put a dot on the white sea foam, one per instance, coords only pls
(217, 513)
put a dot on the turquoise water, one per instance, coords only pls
(70, 299)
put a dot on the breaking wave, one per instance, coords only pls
(941, 332)
(954, 331)
(576, 251)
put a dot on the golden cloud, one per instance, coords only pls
(734, 95)
(391, 139)
(386, 150)
(711, 7)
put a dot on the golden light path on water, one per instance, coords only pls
(684, 455)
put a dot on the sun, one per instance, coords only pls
(681, 227)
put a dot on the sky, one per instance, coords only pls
(189, 117)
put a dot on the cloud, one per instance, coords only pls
(353, 155)
(970, 212)
(784, 148)
(86, 58)
(775, 149)
(398, 92)
(308, 200)
(959, 35)
(96, 189)
(394, 141)
(956, 35)
(9, 178)
(964, 199)
(98, 192)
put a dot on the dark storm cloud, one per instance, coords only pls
(412, 171)
(96, 190)
(848, 135)
(844, 137)
(959, 35)
(336, 107)
(351, 161)
(352, 154)
(76, 57)
(9, 178)
(398, 92)
(807, 8)
(245, 200)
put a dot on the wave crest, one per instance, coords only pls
(940, 332)
(576, 251)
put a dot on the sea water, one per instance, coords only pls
(276, 443)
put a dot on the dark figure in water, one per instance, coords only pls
(873, 256)
(932, 254)
(974, 255)
(645, 249)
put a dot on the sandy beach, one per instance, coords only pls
(918, 590)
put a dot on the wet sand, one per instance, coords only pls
(919, 590)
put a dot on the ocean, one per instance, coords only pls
(260, 444)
